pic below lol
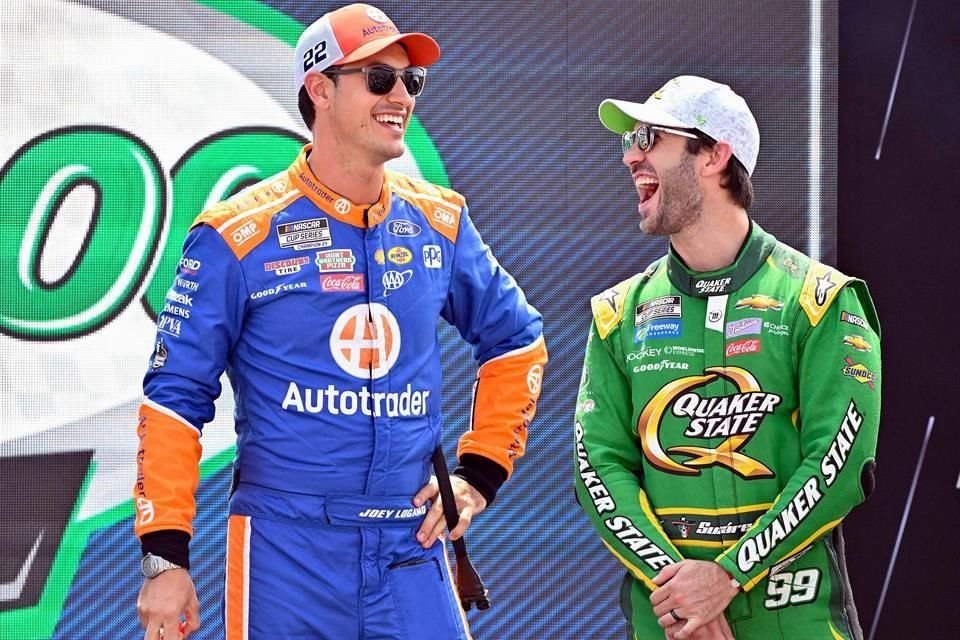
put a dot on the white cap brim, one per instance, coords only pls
(620, 116)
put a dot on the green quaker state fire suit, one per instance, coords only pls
(732, 416)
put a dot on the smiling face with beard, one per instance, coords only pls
(679, 200)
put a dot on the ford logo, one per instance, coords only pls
(403, 228)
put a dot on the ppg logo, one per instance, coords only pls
(432, 256)
(393, 280)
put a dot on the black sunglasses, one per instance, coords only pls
(381, 78)
(644, 136)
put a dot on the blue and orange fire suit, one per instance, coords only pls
(323, 313)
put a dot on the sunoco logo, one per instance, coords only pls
(97, 196)
(735, 418)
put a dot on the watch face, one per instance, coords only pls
(151, 566)
(148, 566)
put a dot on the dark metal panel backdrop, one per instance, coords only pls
(898, 226)
(508, 118)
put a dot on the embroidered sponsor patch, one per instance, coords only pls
(663, 307)
(305, 234)
(747, 326)
(656, 329)
(432, 256)
(287, 266)
(743, 347)
(335, 260)
(403, 228)
(342, 282)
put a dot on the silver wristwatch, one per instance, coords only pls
(151, 566)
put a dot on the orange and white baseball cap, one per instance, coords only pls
(352, 33)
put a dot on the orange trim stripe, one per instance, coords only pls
(332, 203)
(237, 587)
(441, 207)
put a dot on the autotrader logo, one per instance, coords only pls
(365, 341)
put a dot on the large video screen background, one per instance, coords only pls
(121, 120)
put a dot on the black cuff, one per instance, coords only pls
(483, 474)
(170, 544)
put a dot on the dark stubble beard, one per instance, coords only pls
(681, 201)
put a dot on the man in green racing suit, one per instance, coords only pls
(728, 411)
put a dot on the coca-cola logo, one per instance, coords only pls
(342, 282)
(741, 347)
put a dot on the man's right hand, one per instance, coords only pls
(716, 629)
(163, 600)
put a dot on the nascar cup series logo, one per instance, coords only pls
(734, 417)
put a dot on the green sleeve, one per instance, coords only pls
(608, 468)
(839, 384)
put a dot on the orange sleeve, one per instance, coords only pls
(504, 403)
(168, 471)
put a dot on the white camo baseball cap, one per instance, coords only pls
(691, 102)
(353, 33)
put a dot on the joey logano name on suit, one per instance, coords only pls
(725, 416)
(336, 402)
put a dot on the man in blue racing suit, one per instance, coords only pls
(318, 291)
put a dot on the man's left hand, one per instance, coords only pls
(695, 590)
(469, 503)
